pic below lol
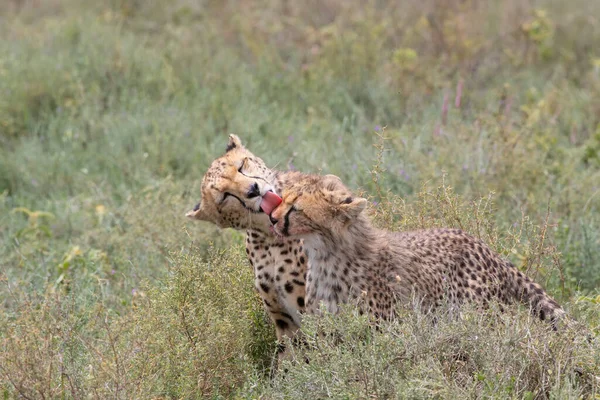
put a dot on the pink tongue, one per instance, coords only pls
(269, 202)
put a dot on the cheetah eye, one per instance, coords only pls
(241, 168)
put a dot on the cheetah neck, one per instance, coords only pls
(339, 262)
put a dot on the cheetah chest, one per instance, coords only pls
(279, 274)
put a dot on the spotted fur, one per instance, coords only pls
(232, 190)
(351, 260)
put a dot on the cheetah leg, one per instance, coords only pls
(285, 328)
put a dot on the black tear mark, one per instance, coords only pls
(227, 194)
(286, 222)
(197, 207)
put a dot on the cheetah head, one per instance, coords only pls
(316, 204)
(232, 190)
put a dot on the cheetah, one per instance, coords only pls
(235, 190)
(351, 260)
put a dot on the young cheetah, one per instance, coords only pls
(233, 190)
(351, 259)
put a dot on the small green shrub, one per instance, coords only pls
(472, 355)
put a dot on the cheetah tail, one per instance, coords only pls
(541, 304)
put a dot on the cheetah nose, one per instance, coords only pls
(273, 220)
(254, 191)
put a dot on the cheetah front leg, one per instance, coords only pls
(285, 325)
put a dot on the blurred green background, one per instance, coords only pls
(111, 112)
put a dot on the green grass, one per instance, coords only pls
(468, 114)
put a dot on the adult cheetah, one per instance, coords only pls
(233, 189)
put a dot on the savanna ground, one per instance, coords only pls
(472, 114)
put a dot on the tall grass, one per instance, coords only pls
(471, 114)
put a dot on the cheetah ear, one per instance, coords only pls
(331, 177)
(352, 206)
(234, 143)
(345, 205)
(197, 213)
(333, 182)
